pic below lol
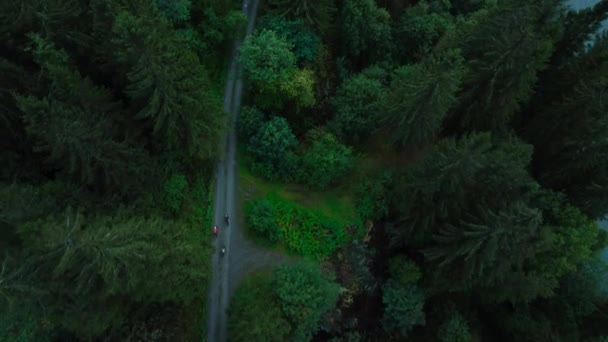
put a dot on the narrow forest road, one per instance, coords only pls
(242, 256)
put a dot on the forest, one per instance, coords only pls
(429, 170)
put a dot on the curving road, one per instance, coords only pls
(242, 256)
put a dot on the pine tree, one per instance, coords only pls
(167, 84)
(456, 176)
(317, 14)
(97, 269)
(505, 50)
(485, 251)
(72, 124)
(419, 98)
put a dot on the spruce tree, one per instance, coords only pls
(317, 14)
(455, 177)
(72, 124)
(168, 86)
(97, 269)
(570, 142)
(504, 52)
(419, 98)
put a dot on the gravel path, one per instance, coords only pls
(242, 256)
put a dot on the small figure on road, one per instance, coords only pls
(227, 219)
(215, 230)
(223, 250)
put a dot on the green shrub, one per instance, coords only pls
(373, 200)
(305, 44)
(255, 312)
(326, 160)
(403, 307)
(305, 295)
(269, 147)
(301, 230)
(175, 190)
(175, 10)
(404, 270)
(261, 219)
(454, 329)
(249, 122)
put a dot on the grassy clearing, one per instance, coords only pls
(337, 203)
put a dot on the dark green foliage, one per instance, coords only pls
(72, 124)
(491, 251)
(317, 14)
(326, 160)
(305, 44)
(403, 270)
(174, 10)
(419, 29)
(404, 307)
(167, 84)
(175, 189)
(373, 196)
(357, 103)
(570, 148)
(519, 253)
(454, 329)
(255, 313)
(107, 261)
(250, 121)
(270, 146)
(23, 324)
(305, 295)
(267, 59)
(419, 98)
(457, 176)
(504, 51)
(365, 29)
(261, 219)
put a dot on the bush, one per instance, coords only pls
(175, 189)
(403, 270)
(269, 147)
(305, 44)
(326, 160)
(454, 329)
(249, 122)
(301, 230)
(403, 307)
(373, 200)
(261, 219)
(305, 295)
(255, 313)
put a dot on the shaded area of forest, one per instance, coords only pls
(471, 138)
(110, 119)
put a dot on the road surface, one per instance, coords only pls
(242, 256)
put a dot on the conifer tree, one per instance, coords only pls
(454, 178)
(419, 98)
(365, 29)
(318, 14)
(504, 52)
(167, 84)
(72, 124)
(570, 140)
(97, 269)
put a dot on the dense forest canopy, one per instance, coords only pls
(469, 138)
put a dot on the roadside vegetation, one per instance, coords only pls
(463, 142)
(110, 115)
